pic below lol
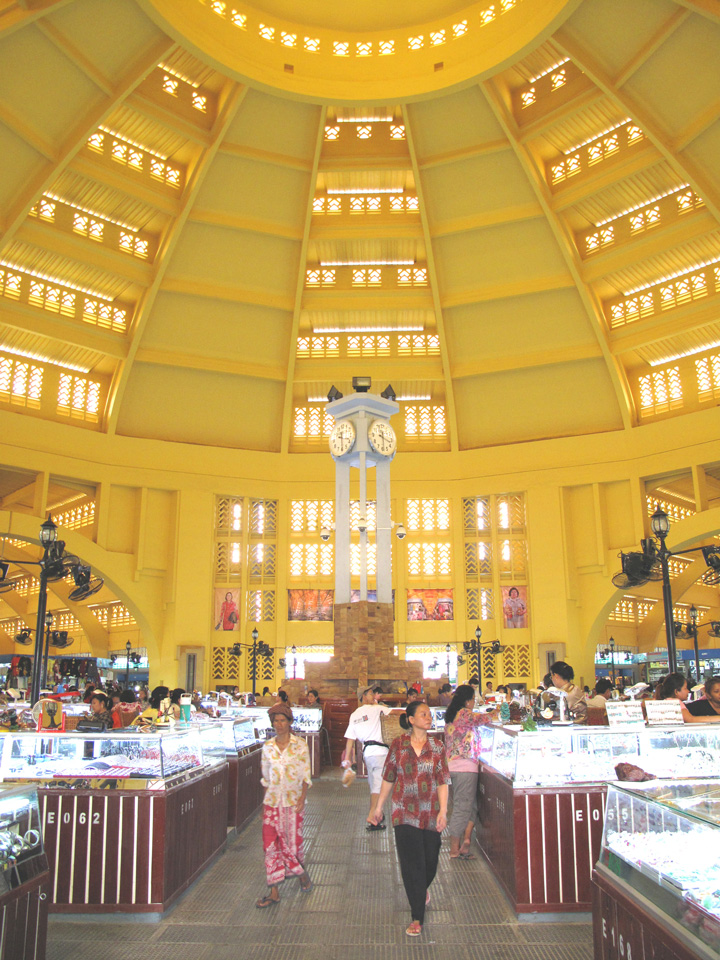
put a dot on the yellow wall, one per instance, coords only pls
(154, 536)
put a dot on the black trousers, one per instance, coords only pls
(418, 852)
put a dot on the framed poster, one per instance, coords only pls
(515, 610)
(310, 605)
(430, 604)
(227, 609)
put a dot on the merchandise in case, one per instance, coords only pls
(659, 849)
(438, 718)
(543, 793)
(124, 754)
(226, 736)
(554, 755)
(24, 876)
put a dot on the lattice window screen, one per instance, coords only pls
(225, 667)
(488, 664)
(479, 604)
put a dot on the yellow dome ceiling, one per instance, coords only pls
(527, 251)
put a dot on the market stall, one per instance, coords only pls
(129, 818)
(657, 883)
(542, 796)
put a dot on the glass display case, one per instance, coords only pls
(662, 840)
(227, 735)
(305, 719)
(438, 718)
(21, 844)
(553, 755)
(118, 755)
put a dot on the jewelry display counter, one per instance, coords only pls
(657, 883)
(240, 743)
(541, 800)
(129, 818)
(307, 724)
(24, 876)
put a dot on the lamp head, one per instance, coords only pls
(478, 634)
(389, 393)
(448, 648)
(660, 523)
(334, 394)
(255, 634)
(48, 619)
(48, 532)
(611, 642)
(362, 525)
(361, 384)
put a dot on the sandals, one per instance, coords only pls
(415, 929)
(306, 887)
(266, 901)
(466, 856)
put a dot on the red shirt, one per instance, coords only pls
(417, 778)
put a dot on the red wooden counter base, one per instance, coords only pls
(245, 792)
(541, 842)
(23, 919)
(627, 926)
(131, 851)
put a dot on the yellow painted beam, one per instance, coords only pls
(75, 55)
(20, 126)
(265, 156)
(226, 292)
(463, 153)
(232, 221)
(188, 361)
(500, 291)
(488, 218)
(517, 361)
(44, 324)
(651, 46)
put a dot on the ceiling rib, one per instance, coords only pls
(167, 246)
(567, 248)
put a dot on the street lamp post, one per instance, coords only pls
(693, 631)
(46, 648)
(128, 648)
(660, 525)
(48, 538)
(611, 643)
(447, 651)
(293, 650)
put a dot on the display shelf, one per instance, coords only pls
(555, 755)
(661, 841)
(24, 876)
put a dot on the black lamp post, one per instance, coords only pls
(293, 650)
(473, 647)
(611, 644)
(46, 649)
(128, 648)
(448, 648)
(48, 540)
(660, 525)
(256, 650)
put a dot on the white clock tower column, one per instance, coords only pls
(363, 438)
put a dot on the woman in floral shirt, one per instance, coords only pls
(286, 778)
(462, 746)
(416, 773)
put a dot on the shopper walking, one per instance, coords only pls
(286, 778)
(365, 727)
(416, 773)
(462, 748)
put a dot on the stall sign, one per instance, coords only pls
(626, 713)
(663, 711)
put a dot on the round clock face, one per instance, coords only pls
(382, 438)
(342, 438)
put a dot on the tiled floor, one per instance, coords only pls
(356, 911)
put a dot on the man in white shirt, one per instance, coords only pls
(603, 693)
(365, 727)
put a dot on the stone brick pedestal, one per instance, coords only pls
(364, 652)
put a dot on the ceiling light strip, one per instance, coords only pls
(684, 353)
(639, 206)
(549, 70)
(319, 331)
(50, 279)
(336, 191)
(365, 120)
(367, 263)
(597, 136)
(93, 213)
(180, 76)
(672, 276)
(29, 355)
(133, 143)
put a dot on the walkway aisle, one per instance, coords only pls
(356, 911)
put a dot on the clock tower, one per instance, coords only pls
(363, 439)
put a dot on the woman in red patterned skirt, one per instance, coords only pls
(286, 778)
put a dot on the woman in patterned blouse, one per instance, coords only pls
(462, 746)
(286, 778)
(416, 773)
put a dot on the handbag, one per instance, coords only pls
(233, 618)
(90, 725)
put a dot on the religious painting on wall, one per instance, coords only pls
(515, 609)
(310, 605)
(227, 609)
(430, 604)
(371, 595)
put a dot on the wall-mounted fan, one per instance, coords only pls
(59, 638)
(714, 630)
(712, 559)
(85, 583)
(638, 567)
(24, 638)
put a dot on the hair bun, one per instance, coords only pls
(404, 722)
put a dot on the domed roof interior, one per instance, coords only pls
(200, 234)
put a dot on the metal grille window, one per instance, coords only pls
(495, 548)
